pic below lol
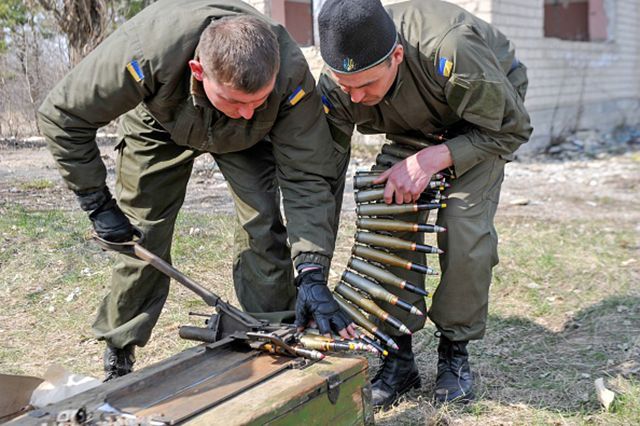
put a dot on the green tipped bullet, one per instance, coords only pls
(378, 240)
(390, 259)
(396, 225)
(384, 276)
(378, 292)
(381, 209)
(363, 322)
(369, 306)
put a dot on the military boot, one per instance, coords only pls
(397, 375)
(454, 380)
(118, 362)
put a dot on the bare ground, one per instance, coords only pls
(608, 186)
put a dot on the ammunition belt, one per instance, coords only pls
(375, 246)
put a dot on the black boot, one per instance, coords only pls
(397, 375)
(118, 362)
(454, 381)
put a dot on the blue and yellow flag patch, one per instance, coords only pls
(444, 67)
(136, 72)
(326, 104)
(296, 96)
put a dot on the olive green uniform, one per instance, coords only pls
(459, 73)
(141, 73)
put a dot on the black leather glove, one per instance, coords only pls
(108, 220)
(315, 301)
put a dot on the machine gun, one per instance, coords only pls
(227, 322)
(198, 381)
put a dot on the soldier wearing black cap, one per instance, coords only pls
(416, 68)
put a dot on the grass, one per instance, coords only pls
(565, 310)
(36, 185)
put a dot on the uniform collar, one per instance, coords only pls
(198, 96)
(196, 90)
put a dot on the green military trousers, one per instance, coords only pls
(151, 180)
(460, 302)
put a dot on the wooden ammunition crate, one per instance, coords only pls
(333, 392)
(224, 384)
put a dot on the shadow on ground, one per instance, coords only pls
(520, 363)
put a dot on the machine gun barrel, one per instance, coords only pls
(134, 248)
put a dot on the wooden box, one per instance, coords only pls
(224, 384)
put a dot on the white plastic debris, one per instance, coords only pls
(59, 384)
(605, 396)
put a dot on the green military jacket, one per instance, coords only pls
(457, 70)
(144, 64)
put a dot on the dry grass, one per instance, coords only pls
(565, 310)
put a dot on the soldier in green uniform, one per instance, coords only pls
(416, 68)
(193, 77)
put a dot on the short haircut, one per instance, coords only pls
(241, 51)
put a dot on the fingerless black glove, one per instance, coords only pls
(108, 220)
(315, 301)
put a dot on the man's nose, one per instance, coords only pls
(246, 112)
(356, 96)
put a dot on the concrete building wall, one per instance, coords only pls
(573, 85)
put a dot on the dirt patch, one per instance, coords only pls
(608, 187)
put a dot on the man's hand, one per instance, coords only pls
(108, 220)
(407, 179)
(316, 302)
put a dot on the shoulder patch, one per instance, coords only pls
(444, 67)
(296, 96)
(136, 72)
(326, 104)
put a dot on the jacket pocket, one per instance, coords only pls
(191, 127)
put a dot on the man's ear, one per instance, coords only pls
(196, 69)
(398, 54)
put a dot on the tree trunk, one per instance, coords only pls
(84, 22)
